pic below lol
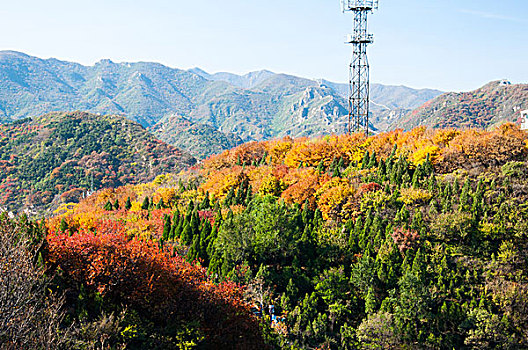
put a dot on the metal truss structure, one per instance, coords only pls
(359, 84)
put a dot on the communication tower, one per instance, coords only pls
(358, 97)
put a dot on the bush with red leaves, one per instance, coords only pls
(405, 239)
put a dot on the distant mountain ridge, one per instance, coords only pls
(256, 106)
(246, 81)
(491, 105)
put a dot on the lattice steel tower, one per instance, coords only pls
(358, 97)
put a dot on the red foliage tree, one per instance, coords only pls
(162, 287)
(405, 239)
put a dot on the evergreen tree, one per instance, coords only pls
(370, 301)
(417, 221)
(228, 201)
(341, 163)
(365, 161)
(166, 227)
(249, 195)
(320, 167)
(432, 185)
(181, 186)
(108, 206)
(195, 224)
(205, 237)
(428, 166)
(116, 204)
(382, 169)
(433, 210)
(206, 204)
(393, 153)
(307, 214)
(63, 226)
(456, 186)
(210, 250)
(263, 160)
(146, 203)
(193, 253)
(186, 234)
(464, 196)
(128, 204)
(372, 162)
(218, 218)
(336, 172)
(417, 176)
(177, 229)
(189, 211)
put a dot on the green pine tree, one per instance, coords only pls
(108, 206)
(320, 167)
(63, 226)
(372, 162)
(146, 203)
(166, 227)
(193, 252)
(365, 161)
(206, 204)
(186, 234)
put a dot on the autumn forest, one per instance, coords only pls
(402, 240)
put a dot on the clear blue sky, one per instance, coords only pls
(449, 45)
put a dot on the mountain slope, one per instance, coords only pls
(493, 104)
(71, 153)
(389, 103)
(200, 140)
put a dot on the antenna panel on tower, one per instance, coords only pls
(355, 5)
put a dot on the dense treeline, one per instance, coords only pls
(401, 240)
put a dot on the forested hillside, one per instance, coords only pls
(70, 154)
(199, 140)
(401, 240)
(493, 104)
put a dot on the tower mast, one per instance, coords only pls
(358, 97)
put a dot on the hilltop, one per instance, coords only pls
(491, 105)
(61, 156)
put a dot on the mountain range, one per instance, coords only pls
(204, 113)
(256, 106)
